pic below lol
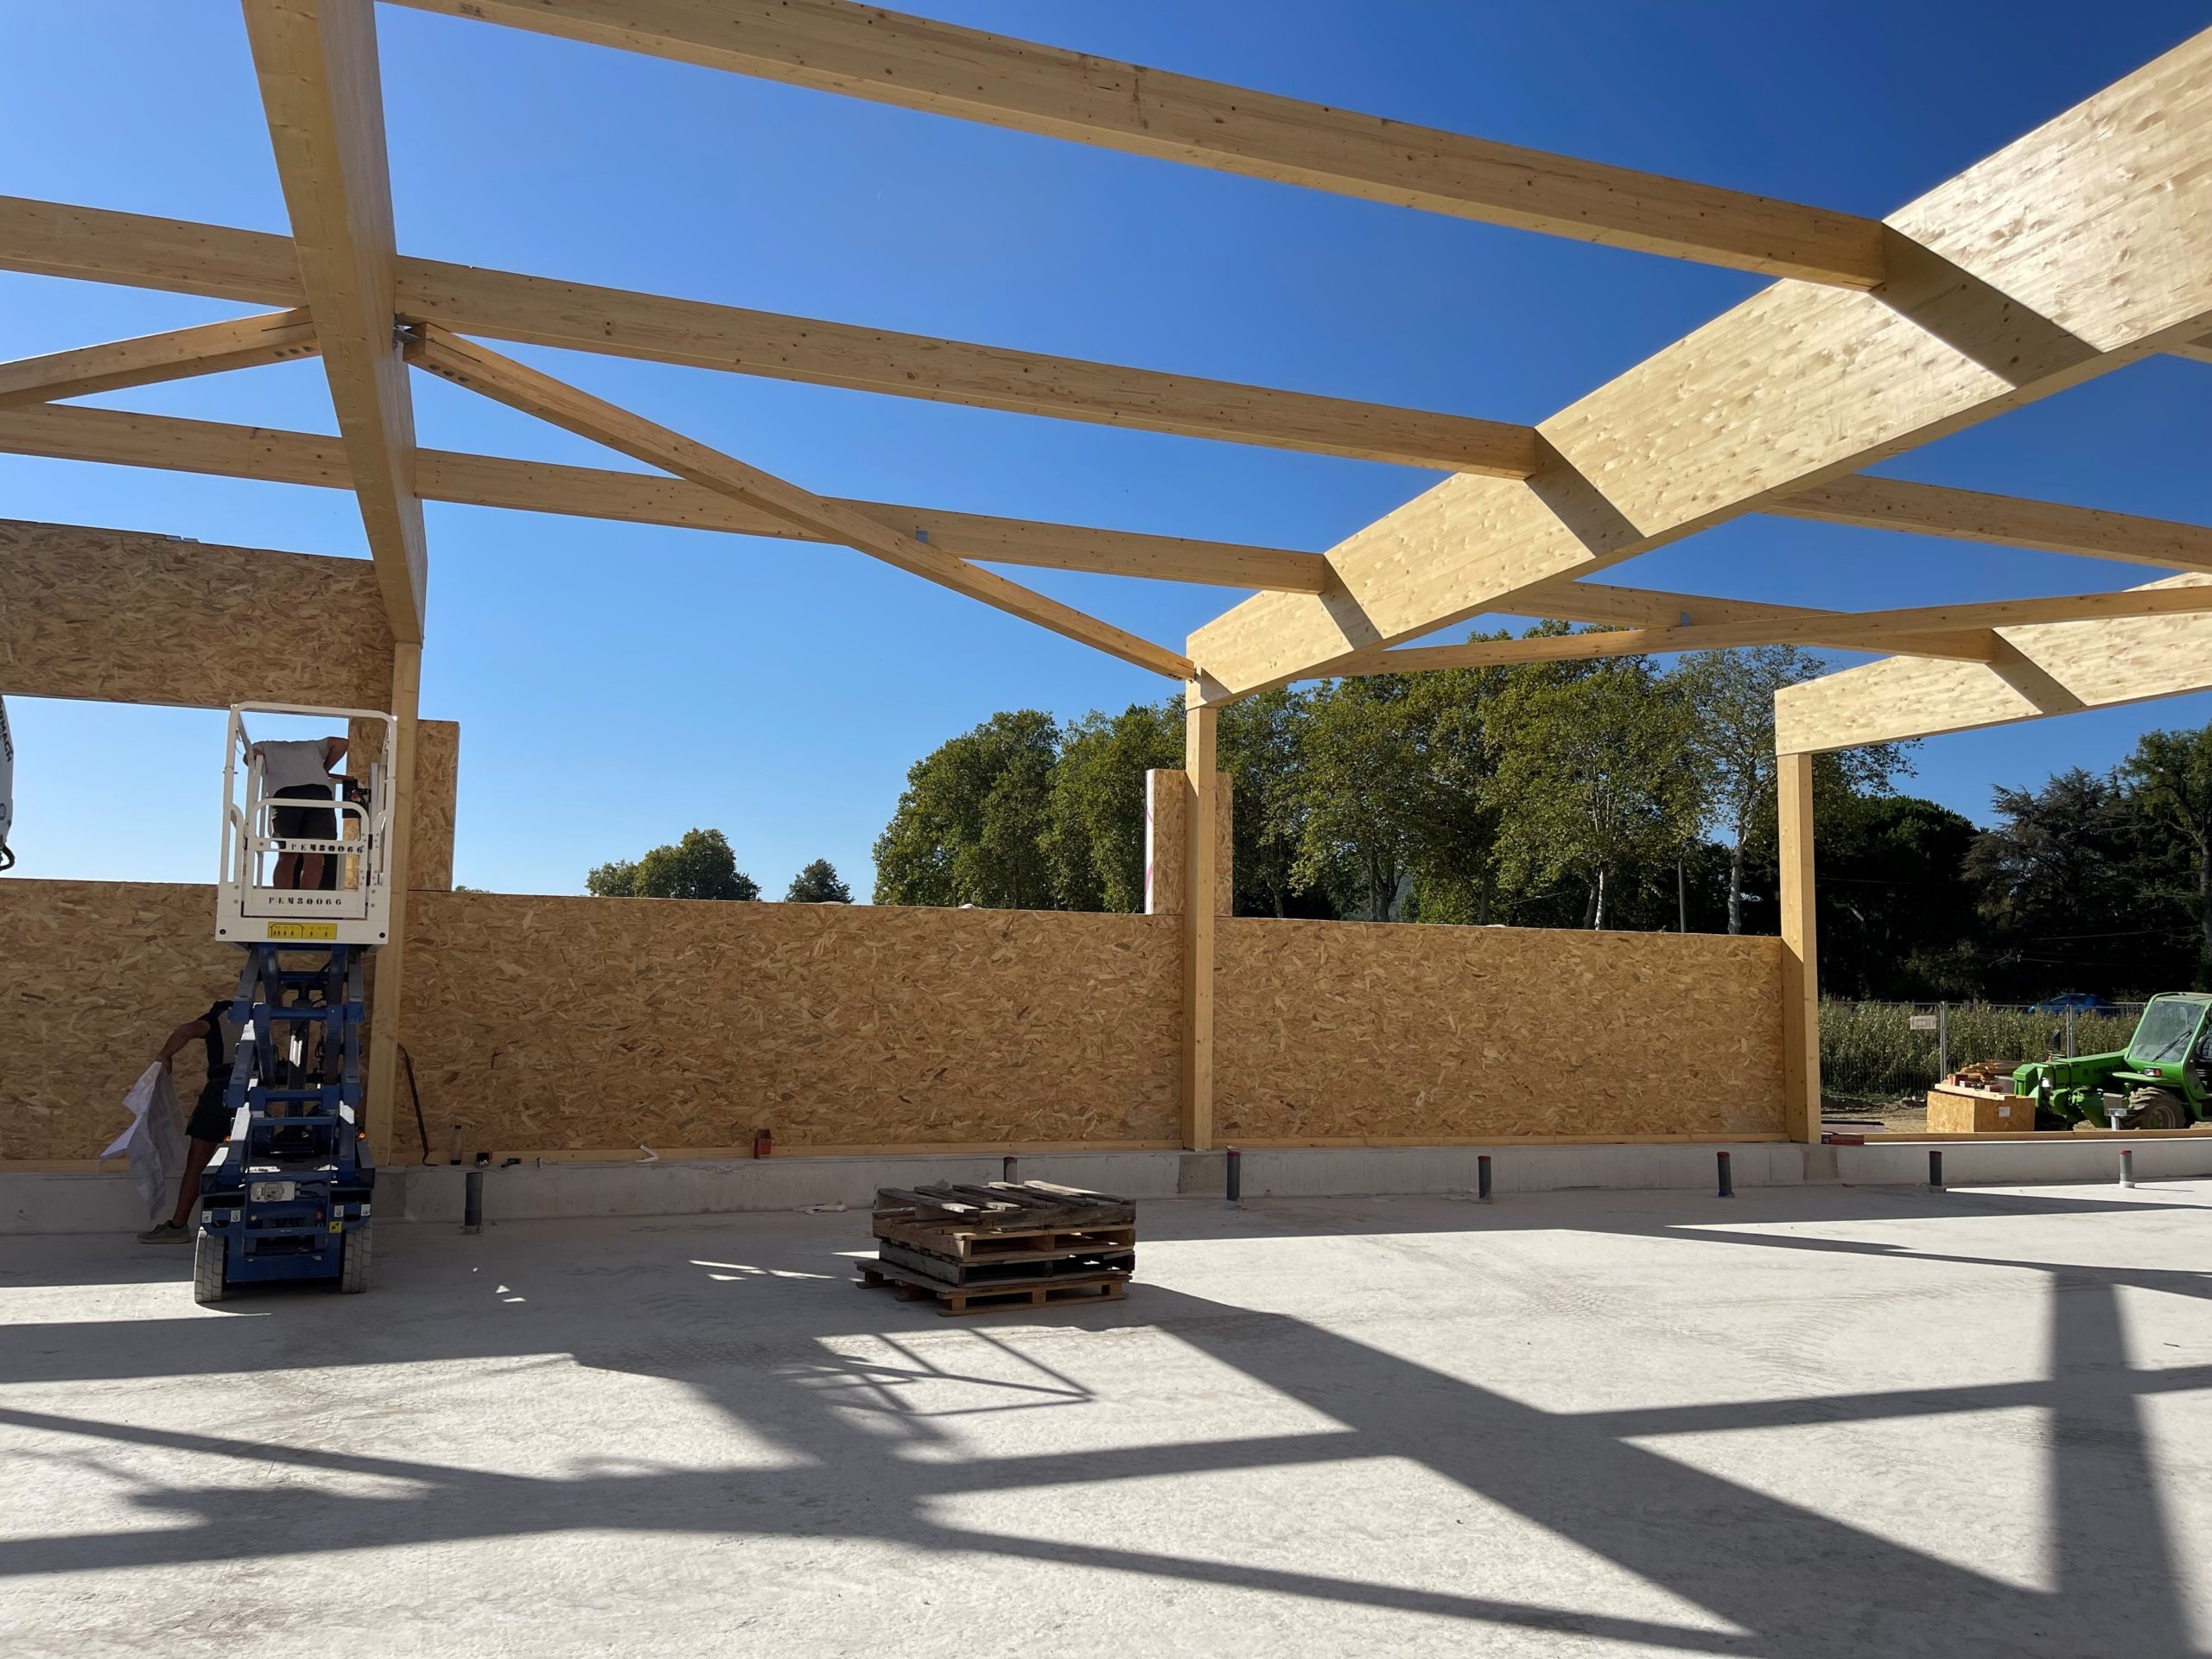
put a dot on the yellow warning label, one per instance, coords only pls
(303, 930)
(337, 1226)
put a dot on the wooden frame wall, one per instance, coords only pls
(2084, 246)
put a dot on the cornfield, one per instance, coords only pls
(1869, 1049)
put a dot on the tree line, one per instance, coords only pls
(703, 865)
(1610, 793)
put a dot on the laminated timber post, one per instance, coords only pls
(391, 961)
(1800, 977)
(322, 93)
(1202, 801)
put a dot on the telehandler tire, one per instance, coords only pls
(2156, 1109)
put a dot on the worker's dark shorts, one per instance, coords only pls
(210, 1119)
(305, 822)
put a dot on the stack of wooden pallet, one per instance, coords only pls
(1007, 1244)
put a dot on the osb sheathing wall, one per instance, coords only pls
(93, 975)
(437, 779)
(543, 1024)
(1167, 848)
(1346, 1031)
(125, 617)
(548, 1023)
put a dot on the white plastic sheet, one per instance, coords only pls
(155, 1140)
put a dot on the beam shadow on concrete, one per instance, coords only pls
(1795, 1581)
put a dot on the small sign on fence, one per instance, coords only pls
(1922, 1022)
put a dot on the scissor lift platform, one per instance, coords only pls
(287, 1196)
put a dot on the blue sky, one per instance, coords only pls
(618, 684)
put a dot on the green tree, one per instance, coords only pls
(1731, 746)
(1453, 814)
(2168, 786)
(818, 884)
(970, 828)
(1893, 907)
(1257, 741)
(701, 866)
(2050, 876)
(1094, 830)
(1592, 777)
(1361, 787)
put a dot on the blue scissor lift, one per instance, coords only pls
(287, 1196)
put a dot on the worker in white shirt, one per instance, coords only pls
(301, 770)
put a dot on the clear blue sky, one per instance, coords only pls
(617, 685)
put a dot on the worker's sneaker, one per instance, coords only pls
(167, 1233)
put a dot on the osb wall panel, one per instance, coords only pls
(1166, 842)
(549, 1023)
(123, 617)
(93, 975)
(437, 777)
(1346, 1030)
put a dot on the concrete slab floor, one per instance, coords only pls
(1808, 1421)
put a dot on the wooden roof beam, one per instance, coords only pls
(125, 438)
(2008, 521)
(2050, 668)
(2082, 247)
(320, 87)
(1964, 647)
(917, 63)
(211, 348)
(96, 245)
(1959, 632)
(503, 380)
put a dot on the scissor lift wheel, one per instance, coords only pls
(209, 1280)
(353, 1261)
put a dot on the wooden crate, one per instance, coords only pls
(1953, 1110)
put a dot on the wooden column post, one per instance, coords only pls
(384, 1100)
(1201, 798)
(1800, 978)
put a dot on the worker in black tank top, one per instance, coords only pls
(209, 1123)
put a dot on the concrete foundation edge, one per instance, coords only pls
(41, 1202)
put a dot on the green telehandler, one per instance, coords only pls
(2159, 1081)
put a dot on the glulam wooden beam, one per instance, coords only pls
(178, 355)
(321, 89)
(2082, 247)
(2008, 521)
(2058, 667)
(1962, 633)
(174, 255)
(466, 364)
(919, 64)
(1975, 647)
(95, 245)
(124, 438)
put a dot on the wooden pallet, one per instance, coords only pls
(955, 1300)
(1002, 1270)
(960, 1243)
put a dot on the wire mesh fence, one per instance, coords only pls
(1885, 1051)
